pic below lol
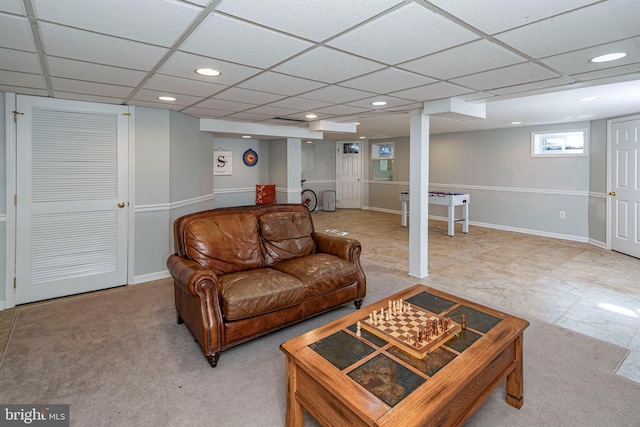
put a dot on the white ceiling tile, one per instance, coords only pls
(15, 33)
(404, 34)
(632, 70)
(89, 98)
(301, 116)
(68, 68)
(280, 84)
(182, 64)
(23, 90)
(314, 20)
(159, 22)
(507, 76)
(205, 112)
(85, 46)
(248, 96)
(387, 80)
(99, 89)
(470, 58)
(252, 117)
(407, 107)
(300, 104)
(494, 16)
(341, 110)
(336, 94)
(560, 81)
(578, 61)
(150, 95)
(327, 65)
(236, 41)
(158, 104)
(391, 102)
(601, 23)
(433, 91)
(183, 86)
(17, 60)
(15, 78)
(13, 6)
(271, 111)
(220, 104)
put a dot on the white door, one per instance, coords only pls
(624, 162)
(72, 184)
(348, 175)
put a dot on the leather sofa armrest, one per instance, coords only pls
(348, 249)
(192, 277)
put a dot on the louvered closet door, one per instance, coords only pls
(72, 174)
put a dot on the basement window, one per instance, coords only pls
(562, 143)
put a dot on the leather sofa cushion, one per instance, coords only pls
(286, 235)
(225, 243)
(254, 292)
(320, 273)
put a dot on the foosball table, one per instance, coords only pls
(451, 200)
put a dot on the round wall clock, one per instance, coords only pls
(250, 157)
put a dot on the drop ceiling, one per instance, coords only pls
(283, 59)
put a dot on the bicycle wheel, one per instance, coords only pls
(309, 199)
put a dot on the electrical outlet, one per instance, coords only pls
(562, 215)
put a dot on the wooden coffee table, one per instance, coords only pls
(345, 379)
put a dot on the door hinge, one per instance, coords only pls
(15, 116)
(14, 283)
(15, 200)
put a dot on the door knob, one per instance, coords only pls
(612, 193)
(121, 205)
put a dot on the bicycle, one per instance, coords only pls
(309, 198)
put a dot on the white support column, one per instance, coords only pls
(294, 169)
(419, 194)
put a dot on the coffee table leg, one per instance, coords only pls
(515, 386)
(295, 413)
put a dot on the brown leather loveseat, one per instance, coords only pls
(243, 272)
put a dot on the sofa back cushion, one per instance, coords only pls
(225, 243)
(286, 235)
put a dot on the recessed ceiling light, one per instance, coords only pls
(209, 72)
(311, 116)
(246, 136)
(166, 98)
(516, 123)
(589, 98)
(608, 57)
(378, 103)
(362, 137)
(357, 123)
(309, 142)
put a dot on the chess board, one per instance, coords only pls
(401, 329)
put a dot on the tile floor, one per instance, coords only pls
(574, 285)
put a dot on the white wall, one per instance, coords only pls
(173, 176)
(239, 189)
(3, 196)
(509, 189)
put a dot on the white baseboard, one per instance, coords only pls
(505, 228)
(151, 277)
(525, 231)
(598, 243)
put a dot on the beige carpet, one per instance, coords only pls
(119, 358)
